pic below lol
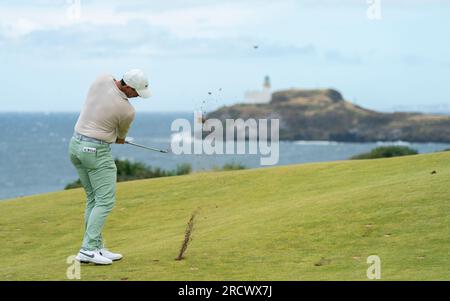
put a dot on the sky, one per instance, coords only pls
(380, 54)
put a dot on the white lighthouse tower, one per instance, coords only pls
(262, 96)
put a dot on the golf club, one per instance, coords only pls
(146, 147)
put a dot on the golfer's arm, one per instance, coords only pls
(124, 126)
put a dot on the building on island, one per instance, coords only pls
(262, 96)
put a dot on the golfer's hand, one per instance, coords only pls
(120, 141)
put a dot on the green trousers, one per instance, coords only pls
(98, 174)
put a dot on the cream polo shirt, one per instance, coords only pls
(107, 113)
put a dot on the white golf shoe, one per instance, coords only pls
(85, 256)
(110, 255)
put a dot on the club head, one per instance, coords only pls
(129, 139)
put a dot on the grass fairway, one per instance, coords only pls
(300, 222)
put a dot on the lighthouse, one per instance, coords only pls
(266, 83)
(262, 96)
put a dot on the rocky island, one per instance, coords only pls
(323, 114)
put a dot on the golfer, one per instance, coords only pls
(106, 117)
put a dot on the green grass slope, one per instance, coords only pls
(300, 222)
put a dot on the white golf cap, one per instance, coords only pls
(135, 78)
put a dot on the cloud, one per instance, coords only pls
(339, 57)
(223, 19)
(225, 29)
(180, 28)
(203, 28)
(411, 59)
(138, 39)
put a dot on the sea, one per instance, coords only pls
(34, 150)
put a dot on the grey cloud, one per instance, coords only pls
(138, 38)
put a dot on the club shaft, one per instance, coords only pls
(146, 147)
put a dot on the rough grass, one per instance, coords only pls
(300, 222)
